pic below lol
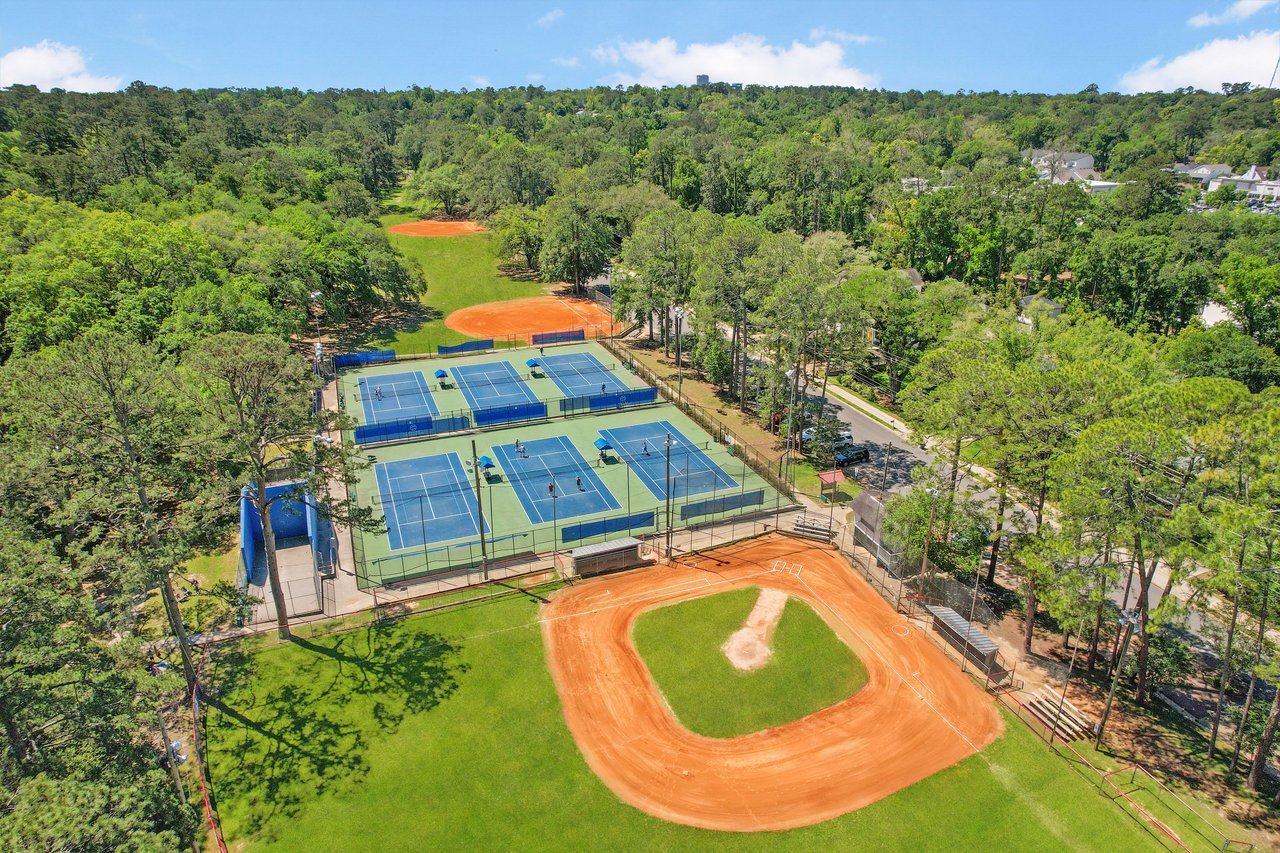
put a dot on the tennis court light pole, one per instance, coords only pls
(475, 476)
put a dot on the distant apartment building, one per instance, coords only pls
(703, 80)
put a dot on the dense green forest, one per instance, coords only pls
(165, 252)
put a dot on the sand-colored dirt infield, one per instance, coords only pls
(437, 228)
(523, 318)
(916, 715)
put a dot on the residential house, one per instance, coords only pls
(1062, 167)
(1202, 173)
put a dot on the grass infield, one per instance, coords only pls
(810, 668)
(443, 731)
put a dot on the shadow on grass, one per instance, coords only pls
(288, 734)
(382, 326)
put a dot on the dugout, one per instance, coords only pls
(611, 556)
(980, 649)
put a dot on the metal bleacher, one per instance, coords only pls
(813, 527)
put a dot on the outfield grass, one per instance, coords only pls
(810, 668)
(443, 731)
(460, 271)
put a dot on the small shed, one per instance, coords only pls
(980, 649)
(610, 556)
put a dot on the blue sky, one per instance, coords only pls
(1028, 46)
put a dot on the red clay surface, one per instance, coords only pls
(916, 715)
(437, 228)
(523, 318)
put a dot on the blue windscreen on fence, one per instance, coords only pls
(355, 359)
(559, 337)
(469, 346)
(409, 428)
(601, 526)
(722, 504)
(509, 414)
(613, 400)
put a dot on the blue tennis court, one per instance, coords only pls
(395, 396)
(553, 460)
(426, 500)
(580, 374)
(643, 446)
(493, 384)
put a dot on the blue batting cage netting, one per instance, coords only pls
(291, 518)
(602, 526)
(469, 346)
(559, 337)
(409, 428)
(356, 359)
(722, 504)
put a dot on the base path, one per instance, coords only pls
(437, 228)
(523, 318)
(916, 715)
(749, 647)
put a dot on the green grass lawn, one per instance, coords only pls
(460, 271)
(810, 668)
(443, 731)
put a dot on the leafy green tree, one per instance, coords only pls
(1225, 351)
(1252, 288)
(517, 231)
(104, 412)
(576, 243)
(442, 185)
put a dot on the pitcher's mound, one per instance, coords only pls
(524, 318)
(438, 228)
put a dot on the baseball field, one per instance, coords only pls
(535, 722)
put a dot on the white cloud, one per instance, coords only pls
(744, 58)
(478, 81)
(50, 65)
(823, 33)
(1237, 11)
(1226, 60)
(535, 77)
(550, 18)
(566, 61)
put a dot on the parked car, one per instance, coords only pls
(846, 437)
(852, 456)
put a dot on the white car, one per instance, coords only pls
(844, 437)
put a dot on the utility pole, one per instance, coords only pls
(1129, 618)
(668, 496)
(475, 475)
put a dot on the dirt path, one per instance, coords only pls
(751, 646)
(916, 715)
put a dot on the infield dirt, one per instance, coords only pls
(438, 228)
(523, 318)
(916, 715)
